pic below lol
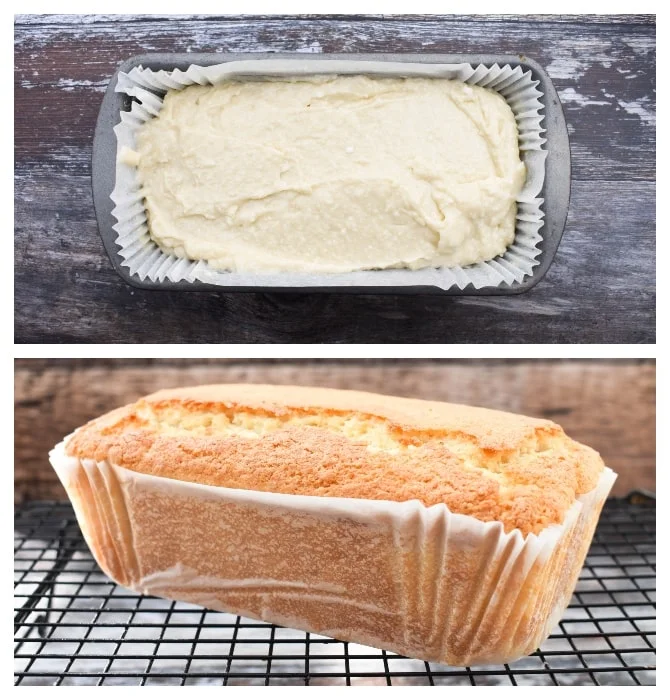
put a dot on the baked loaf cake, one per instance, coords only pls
(329, 174)
(443, 532)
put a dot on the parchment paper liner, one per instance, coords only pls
(143, 257)
(423, 582)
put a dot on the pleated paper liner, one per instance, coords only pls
(421, 581)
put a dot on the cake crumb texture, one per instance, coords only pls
(494, 466)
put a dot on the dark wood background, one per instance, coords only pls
(601, 287)
(608, 404)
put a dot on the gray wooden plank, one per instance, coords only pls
(601, 287)
(55, 19)
(605, 75)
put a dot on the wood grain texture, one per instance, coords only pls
(600, 289)
(545, 19)
(609, 405)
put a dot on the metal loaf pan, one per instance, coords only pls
(555, 192)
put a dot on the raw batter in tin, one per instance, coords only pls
(331, 174)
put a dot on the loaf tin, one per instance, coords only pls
(555, 189)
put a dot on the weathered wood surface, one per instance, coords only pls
(601, 287)
(609, 405)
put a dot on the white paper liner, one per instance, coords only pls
(142, 256)
(421, 581)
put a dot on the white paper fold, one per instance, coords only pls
(144, 258)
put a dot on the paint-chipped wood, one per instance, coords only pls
(609, 405)
(98, 19)
(601, 288)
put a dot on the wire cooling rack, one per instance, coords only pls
(73, 626)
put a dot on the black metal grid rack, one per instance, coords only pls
(73, 626)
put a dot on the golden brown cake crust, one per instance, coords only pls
(492, 465)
